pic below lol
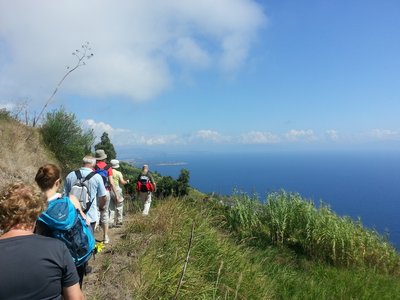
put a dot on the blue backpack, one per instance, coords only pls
(66, 224)
(103, 173)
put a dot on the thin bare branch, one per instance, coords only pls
(186, 263)
(80, 62)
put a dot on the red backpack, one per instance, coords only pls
(144, 184)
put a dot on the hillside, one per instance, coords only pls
(21, 152)
(198, 247)
(146, 260)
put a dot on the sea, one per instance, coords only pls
(364, 185)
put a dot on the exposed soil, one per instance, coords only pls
(103, 281)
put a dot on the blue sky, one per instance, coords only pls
(227, 74)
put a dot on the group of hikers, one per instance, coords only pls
(47, 235)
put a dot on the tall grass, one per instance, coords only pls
(287, 219)
(148, 262)
(217, 268)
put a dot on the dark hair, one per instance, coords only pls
(47, 176)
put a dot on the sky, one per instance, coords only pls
(225, 74)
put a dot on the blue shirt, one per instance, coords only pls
(97, 190)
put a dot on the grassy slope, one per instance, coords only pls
(147, 262)
(152, 253)
(21, 152)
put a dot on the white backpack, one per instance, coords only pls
(81, 190)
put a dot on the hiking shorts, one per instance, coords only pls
(104, 214)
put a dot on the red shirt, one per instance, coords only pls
(102, 165)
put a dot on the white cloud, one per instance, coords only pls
(301, 135)
(135, 43)
(190, 53)
(259, 137)
(332, 135)
(208, 136)
(384, 134)
(126, 137)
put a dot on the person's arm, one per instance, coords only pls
(70, 278)
(122, 180)
(111, 180)
(73, 292)
(152, 181)
(77, 205)
(101, 202)
(67, 185)
(100, 192)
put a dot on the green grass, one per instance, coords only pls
(285, 219)
(217, 267)
(237, 253)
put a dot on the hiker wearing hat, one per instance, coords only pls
(116, 208)
(106, 173)
(145, 185)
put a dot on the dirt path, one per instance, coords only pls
(100, 284)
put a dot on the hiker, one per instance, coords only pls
(96, 188)
(48, 178)
(145, 186)
(106, 173)
(32, 266)
(116, 208)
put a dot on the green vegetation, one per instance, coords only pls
(242, 248)
(285, 219)
(6, 115)
(107, 146)
(167, 186)
(63, 135)
(151, 256)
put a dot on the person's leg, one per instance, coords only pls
(104, 218)
(81, 273)
(119, 207)
(147, 203)
(119, 211)
(112, 209)
(142, 199)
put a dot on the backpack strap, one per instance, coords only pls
(78, 174)
(105, 168)
(87, 178)
(90, 175)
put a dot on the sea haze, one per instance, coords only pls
(356, 184)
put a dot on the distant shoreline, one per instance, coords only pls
(172, 164)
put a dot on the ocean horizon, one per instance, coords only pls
(361, 185)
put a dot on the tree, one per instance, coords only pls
(182, 187)
(107, 146)
(63, 135)
(166, 187)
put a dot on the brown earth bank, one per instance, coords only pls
(21, 153)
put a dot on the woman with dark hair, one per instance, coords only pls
(49, 180)
(32, 266)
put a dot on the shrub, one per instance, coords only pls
(63, 135)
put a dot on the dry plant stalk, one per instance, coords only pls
(186, 263)
(81, 57)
